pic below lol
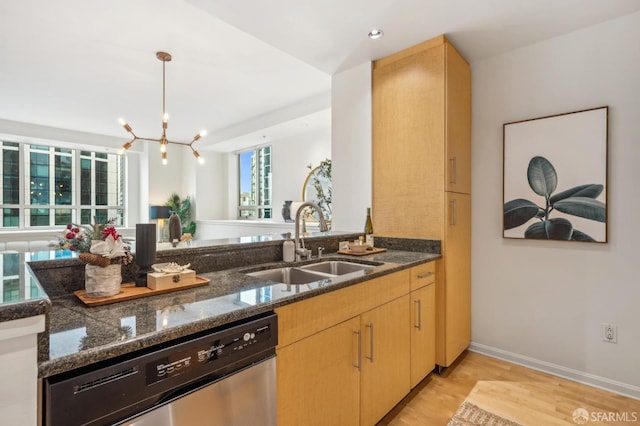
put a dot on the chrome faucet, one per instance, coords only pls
(300, 249)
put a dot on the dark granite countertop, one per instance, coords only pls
(78, 335)
(21, 296)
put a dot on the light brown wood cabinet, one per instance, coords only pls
(454, 326)
(344, 356)
(349, 356)
(318, 382)
(421, 171)
(385, 374)
(423, 322)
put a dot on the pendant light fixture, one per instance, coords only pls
(164, 57)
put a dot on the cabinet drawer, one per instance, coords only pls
(422, 275)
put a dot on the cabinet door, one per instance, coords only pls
(408, 145)
(458, 122)
(423, 333)
(318, 378)
(385, 377)
(457, 280)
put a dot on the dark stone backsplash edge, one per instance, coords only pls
(62, 277)
(409, 244)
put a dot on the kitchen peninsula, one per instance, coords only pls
(77, 336)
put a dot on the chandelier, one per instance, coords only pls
(164, 57)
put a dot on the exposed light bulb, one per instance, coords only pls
(164, 158)
(124, 124)
(197, 155)
(125, 147)
(165, 117)
(163, 148)
(199, 135)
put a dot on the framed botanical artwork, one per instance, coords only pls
(555, 177)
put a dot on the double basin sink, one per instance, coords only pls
(306, 274)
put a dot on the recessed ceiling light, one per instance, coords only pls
(375, 34)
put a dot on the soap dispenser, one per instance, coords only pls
(288, 249)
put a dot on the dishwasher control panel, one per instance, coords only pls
(110, 391)
(211, 350)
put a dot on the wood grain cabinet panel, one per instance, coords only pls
(456, 293)
(319, 380)
(351, 371)
(421, 152)
(423, 275)
(457, 122)
(385, 378)
(423, 332)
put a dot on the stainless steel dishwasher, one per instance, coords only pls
(226, 376)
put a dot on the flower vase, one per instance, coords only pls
(102, 281)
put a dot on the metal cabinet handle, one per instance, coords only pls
(370, 357)
(359, 363)
(419, 306)
(454, 213)
(427, 275)
(454, 170)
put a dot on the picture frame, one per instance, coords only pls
(555, 177)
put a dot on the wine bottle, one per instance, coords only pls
(368, 229)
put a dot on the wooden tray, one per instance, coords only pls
(129, 291)
(372, 251)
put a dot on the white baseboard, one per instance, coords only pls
(557, 370)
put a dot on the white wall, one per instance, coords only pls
(290, 159)
(543, 303)
(190, 168)
(210, 199)
(166, 179)
(19, 390)
(351, 147)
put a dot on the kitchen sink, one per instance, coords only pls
(288, 275)
(306, 274)
(336, 267)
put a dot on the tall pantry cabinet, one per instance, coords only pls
(422, 171)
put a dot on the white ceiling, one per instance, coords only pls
(239, 67)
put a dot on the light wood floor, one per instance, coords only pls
(520, 394)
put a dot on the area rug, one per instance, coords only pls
(469, 414)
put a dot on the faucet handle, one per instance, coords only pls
(320, 250)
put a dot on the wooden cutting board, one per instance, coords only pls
(129, 291)
(374, 250)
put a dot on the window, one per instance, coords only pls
(255, 184)
(47, 186)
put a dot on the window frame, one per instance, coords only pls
(75, 207)
(261, 211)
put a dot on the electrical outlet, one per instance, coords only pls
(610, 333)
